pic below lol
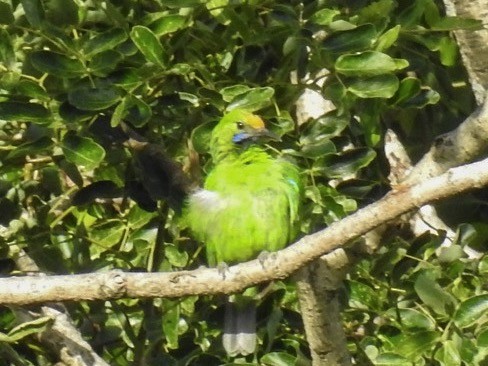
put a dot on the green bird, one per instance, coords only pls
(249, 204)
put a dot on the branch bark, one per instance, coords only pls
(318, 287)
(61, 336)
(472, 44)
(461, 145)
(116, 284)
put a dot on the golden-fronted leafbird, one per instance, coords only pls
(249, 204)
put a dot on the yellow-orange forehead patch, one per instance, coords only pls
(255, 121)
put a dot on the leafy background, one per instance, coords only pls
(74, 74)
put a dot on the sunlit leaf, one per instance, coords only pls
(324, 16)
(387, 39)
(346, 163)
(253, 99)
(168, 24)
(471, 310)
(104, 41)
(82, 151)
(368, 63)
(28, 328)
(432, 294)
(278, 359)
(355, 39)
(380, 86)
(448, 354)
(147, 42)
(411, 345)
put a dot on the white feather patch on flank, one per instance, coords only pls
(206, 199)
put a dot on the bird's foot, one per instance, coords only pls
(222, 268)
(265, 256)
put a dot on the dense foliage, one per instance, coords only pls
(75, 74)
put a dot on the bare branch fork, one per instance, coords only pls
(116, 284)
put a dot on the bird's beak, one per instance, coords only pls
(266, 134)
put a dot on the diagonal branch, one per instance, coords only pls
(115, 284)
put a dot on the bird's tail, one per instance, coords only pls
(240, 326)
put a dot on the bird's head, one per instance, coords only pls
(237, 130)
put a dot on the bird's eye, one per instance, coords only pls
(240, 125)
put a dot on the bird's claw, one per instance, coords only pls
(265, 256)
(222, 267)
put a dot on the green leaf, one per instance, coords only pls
(318, 146)
(425, 97)
(200, 137)
(34, 12)
(324, 16)
(28, 328)
(171, 319)
(133, 110)
(25, 112)
(409, 88)
(230, 92)
(253, 100)
(176, 257)
(380, 86)
(31, 148)
(105, 236)
(103, 63)
(345, 164)
(127, 78)
(32, 89)
(7, 53)
(82, 151)
(387, 39)
(448, 354)
(278, 359)
(412, 345)
(94, 99)
(432, 294)
(391, 359)
(448, 51)
(6, 13)
(482, 339)
(70, 113)
(451, 253)
(147, 42)
(471, 310)
(368, 63)
(356, 39)
(455, 23)
(411, 15)
(168, 24)
(178, 4)
(137, 217)
(63, 12)
(412, 319)
(57, 64)
(105, 41)
(362, 296)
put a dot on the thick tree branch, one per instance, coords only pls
(318, 287)
(61, 336)
(24, 290)
(461, 145)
